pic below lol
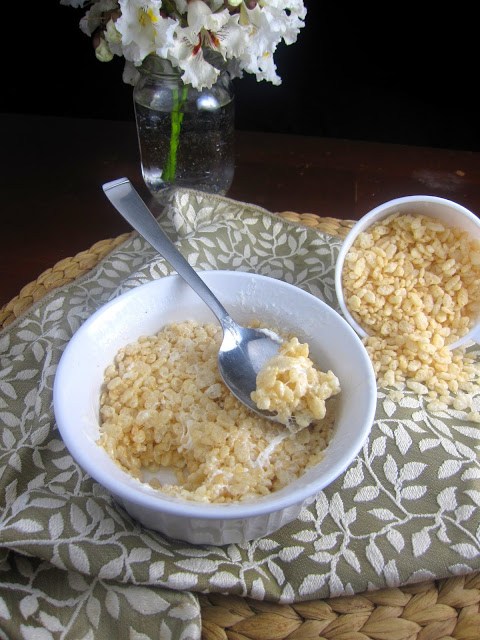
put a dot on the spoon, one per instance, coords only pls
(243, 351)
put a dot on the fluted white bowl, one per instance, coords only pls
(143, 311)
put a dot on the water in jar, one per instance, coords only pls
(205, 153)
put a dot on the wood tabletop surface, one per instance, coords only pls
(52, 170)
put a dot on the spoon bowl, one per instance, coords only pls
(243, 351)
(242, 354)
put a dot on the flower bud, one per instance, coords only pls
(111, 32)
(102, 51)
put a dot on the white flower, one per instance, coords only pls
(200, 16)
(186, 32)
(143, 29)
(269, 24)
(188, 55)
(264, 39)
(286, 16)
(94, 17)
(219, 31)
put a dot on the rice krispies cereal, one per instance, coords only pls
(413, 284)
(290, 386)
(164, 405)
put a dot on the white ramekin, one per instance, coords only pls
(143, 311)
(445, 210)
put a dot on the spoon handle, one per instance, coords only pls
(128, 202)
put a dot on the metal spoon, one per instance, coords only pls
(243, 351)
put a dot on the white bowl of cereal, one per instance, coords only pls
(407, 280)
(141, 407)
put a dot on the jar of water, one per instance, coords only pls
(185, 135)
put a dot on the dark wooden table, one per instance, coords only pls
(52, 170)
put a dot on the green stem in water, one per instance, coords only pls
(176, 126)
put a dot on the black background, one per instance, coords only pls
(397, 73)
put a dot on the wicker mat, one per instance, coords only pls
(434, 610)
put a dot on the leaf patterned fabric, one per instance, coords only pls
(73, 564)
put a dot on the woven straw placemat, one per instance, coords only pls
(447, 609)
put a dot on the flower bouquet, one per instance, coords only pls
(199, 39)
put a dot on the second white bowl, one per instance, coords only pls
(447, 211)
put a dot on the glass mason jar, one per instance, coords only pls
(185, 135)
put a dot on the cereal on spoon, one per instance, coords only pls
(290, 386)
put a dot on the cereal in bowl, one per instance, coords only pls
(413, 283)
(164, 406)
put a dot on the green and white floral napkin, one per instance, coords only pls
(74, 565)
